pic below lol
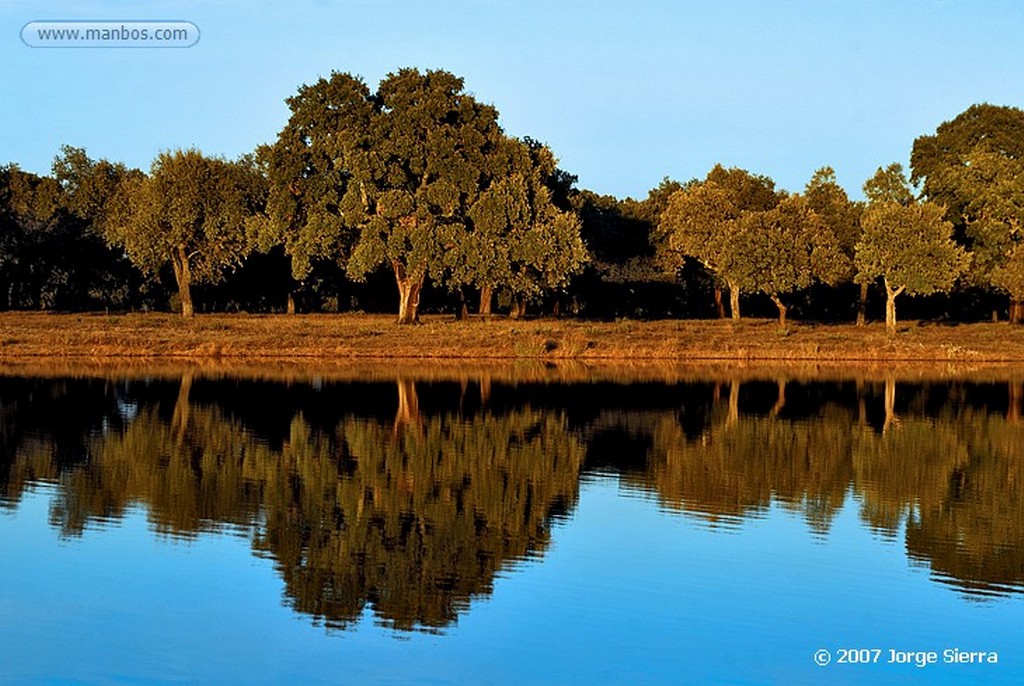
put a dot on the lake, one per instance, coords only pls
(461, 526)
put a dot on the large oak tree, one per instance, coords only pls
(382, 179)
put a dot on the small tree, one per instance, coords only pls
(191, 212)
(785, 248)
(911, 248)
(702, 221)
(517, 238)
(826, 197)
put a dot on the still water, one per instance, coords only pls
(511, 528)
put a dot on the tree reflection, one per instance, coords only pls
(410, 498)
(413, 518)
(743, 464)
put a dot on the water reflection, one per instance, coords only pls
(410, 497)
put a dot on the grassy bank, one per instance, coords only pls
(349, 337)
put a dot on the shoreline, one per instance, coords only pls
(341, 339)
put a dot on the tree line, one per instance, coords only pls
(416, 183)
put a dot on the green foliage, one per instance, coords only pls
(89, 185)
(889, 185)
(785, 248)
(697, 222)
(310, 175)
(974, 165)
(747, 192)
(939, 160)
(1009, 275)
(992, 187)
(517, 238)
(911, 247)
(29, 215)
(191, 211)
(702, 218)
(842, 215)
(429, 149)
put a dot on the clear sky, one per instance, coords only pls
(625, 93)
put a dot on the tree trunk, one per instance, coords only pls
(486, 296)
(1016, 311)
(183, 275)
(734, 403)
(890, 403)
(780, 398)
(518, 308)
(782, 311)
(1013, 409)
(890, 306)
(180, 416)
(291, 303)
(407, 414)
(719, 305)
(862, 305)
(409, 288)
(734, 301)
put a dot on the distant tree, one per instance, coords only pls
(650, 208)
(889, 184)
(748, 192)
(910, 247)
(974, 165)
(516, 237)
(49, 259)
(103, 276)
(29, 215)
(701, 221)
(190, 211)
(842, 216)
(785, 248)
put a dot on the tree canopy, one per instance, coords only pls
(910, 247)
(400, 169)
(785, 248)
(191, 212)
(974, 165)
(701, 221)
(516, 237)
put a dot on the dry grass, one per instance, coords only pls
(347, 338)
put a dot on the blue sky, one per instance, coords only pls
(624, 93)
